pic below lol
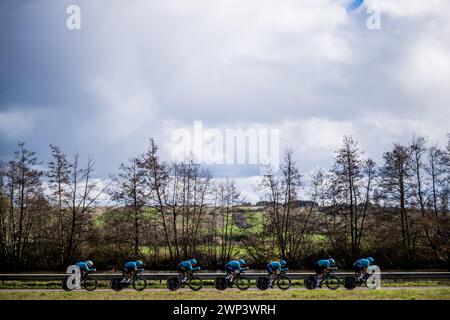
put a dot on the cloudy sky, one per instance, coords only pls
(136, 69)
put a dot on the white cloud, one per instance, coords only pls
(411, 8)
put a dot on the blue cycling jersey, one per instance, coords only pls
(323, 263)
(84, 267)
(275, 265)
(188, 266)
(362, 263)
(234, 265)
(130, 266)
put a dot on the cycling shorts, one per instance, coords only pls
(318, 268)
(231, 269)
(358, 268)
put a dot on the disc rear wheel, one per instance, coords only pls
(220, 283)
(173, 284)
(310, 283)
(262, 283)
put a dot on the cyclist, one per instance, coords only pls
(186, 268)
(274, 268)
(234, 267)
(322, 267)
(130, 268)
(86, 266)
(361, 265)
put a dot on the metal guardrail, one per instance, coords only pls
(205, 276)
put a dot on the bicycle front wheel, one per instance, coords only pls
(283, 282)
(243, 283)
(332, 282)
(195, 283)
(139, 284)
(90, 284)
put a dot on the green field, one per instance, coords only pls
(381, 294)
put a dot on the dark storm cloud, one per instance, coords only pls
(310, 68)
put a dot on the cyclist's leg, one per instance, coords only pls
(229, 272)
(270, 274)
(188, 274)
(228, 277)
(133, 274)
(319, 272)
(182, 272)
(363, 273)
(126, 275)
(234, 275)
(271, 279)
(320, 278)
(358, 273)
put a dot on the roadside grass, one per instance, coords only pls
(396, 294)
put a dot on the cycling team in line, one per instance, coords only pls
(234, 267)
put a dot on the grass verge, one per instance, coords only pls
(324, 294)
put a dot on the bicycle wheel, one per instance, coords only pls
(243, 283)
(139, 284)
(350, 283)
(89, 284)
(332, 282)
(64, 285)
(283, 282)
(220, 283)
(116, 284)
(310, 283)
(173, 284)
(195, 283)
(372, 282)
(262, 283)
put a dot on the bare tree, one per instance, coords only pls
(156, 178)
(176, 190)
(350, 190)
(82, 194)
(58, 177)
(130, 193)
(185, 197)
(438, 164)
(24, 188)
(282, 194)
(396, 175)
(227, 196)
(420, 188)
(3, 213)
